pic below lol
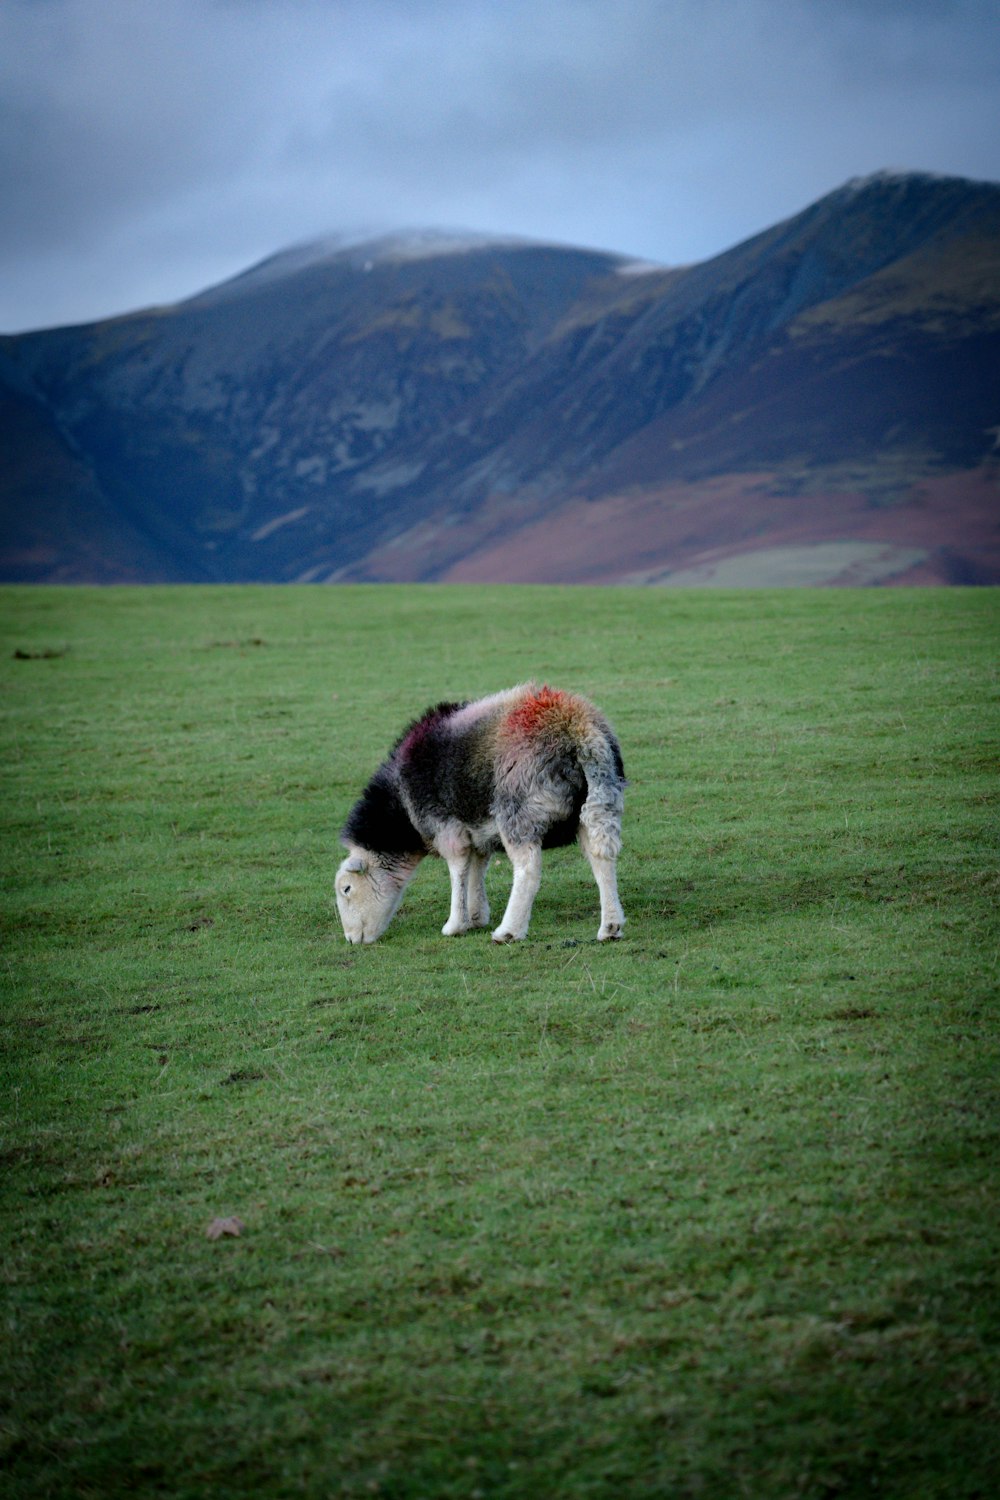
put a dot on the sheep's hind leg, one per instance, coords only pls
(605, 868)
(527, 862)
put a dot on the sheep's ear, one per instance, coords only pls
(355, 864)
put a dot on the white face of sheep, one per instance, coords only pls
(367, 898)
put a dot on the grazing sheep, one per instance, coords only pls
(523, 770)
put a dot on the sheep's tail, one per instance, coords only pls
(601, 813)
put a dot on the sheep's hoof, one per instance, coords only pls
(504, 937)
(450, 930)
(610, 930)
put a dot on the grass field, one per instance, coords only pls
(710, 1212)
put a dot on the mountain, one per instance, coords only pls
(819, 404)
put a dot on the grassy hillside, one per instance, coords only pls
(708, 1212)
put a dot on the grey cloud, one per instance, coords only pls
(182, 140)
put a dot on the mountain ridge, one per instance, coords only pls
(407, 406)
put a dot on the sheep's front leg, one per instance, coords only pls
(477, 906)
(459, 864)
(527, 862)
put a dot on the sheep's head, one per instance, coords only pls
(368, 894)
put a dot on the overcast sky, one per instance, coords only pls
(149, 148)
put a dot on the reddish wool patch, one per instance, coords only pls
(543, 714)
(418, 732)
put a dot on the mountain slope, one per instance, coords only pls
(448, 406)
(57, 522)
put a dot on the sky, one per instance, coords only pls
(152, 148)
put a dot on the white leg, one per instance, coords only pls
(605, 870)
(527, 862)
(458, 917)
(477, 906)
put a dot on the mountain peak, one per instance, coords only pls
(894, 183)
(363, 250)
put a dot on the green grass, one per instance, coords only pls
(711, 1212)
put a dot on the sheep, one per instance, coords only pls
(521, 770)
